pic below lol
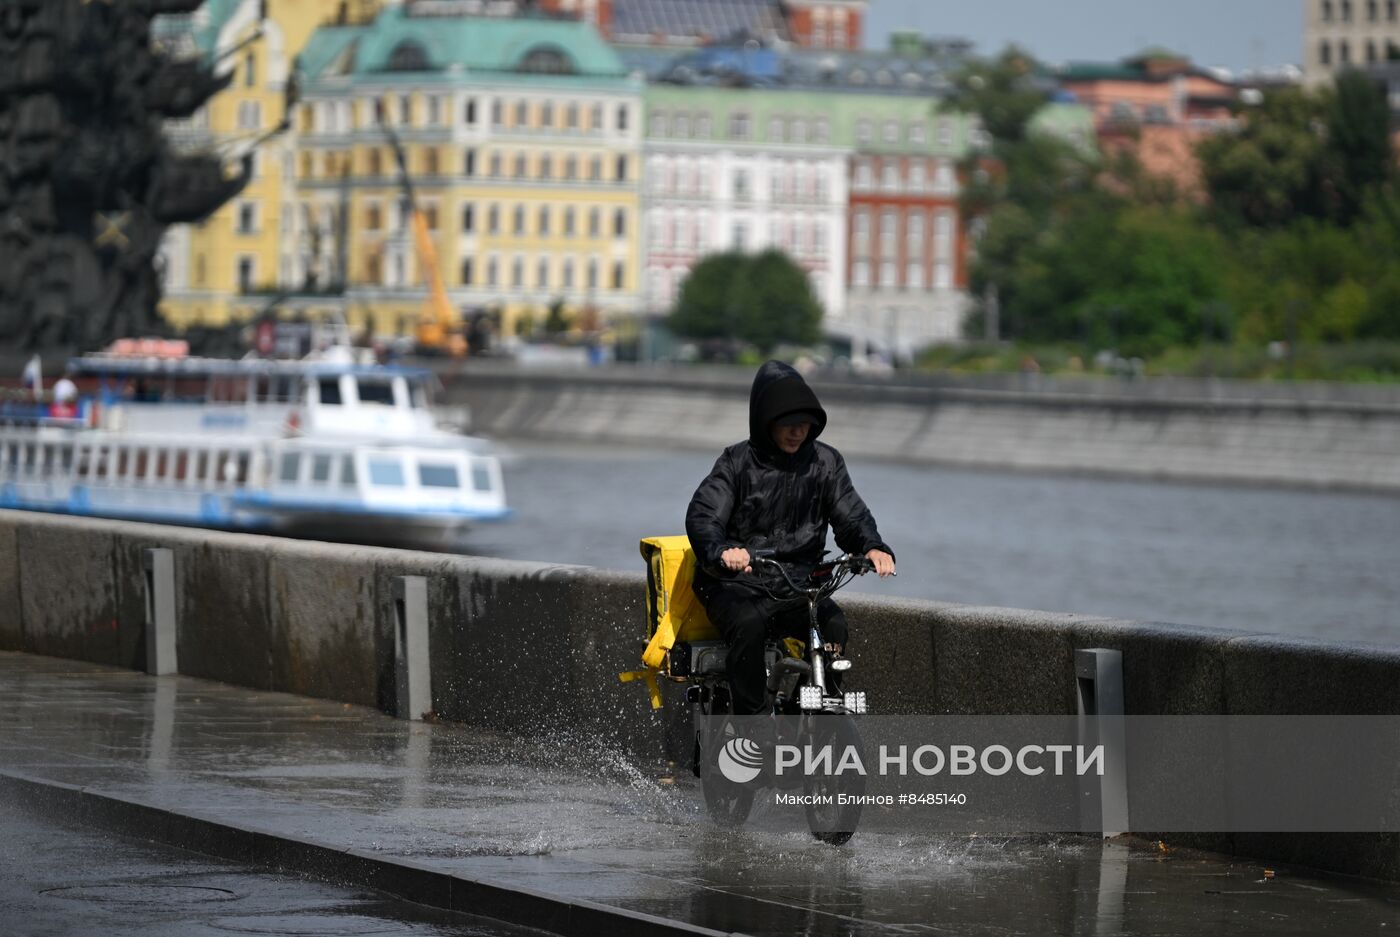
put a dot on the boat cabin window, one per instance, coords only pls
(481, 476)
(386, 472)
(330, 391)
(321, 468)
(437, 475)
(291, 466)
(274, 389)
(201, 465)
(376, 392)
(347, 470)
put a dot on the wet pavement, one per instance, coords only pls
(569, 818)
(58, 878)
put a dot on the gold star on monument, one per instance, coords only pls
(111, 232)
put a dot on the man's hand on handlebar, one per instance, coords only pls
(884, 563)
(736, 559)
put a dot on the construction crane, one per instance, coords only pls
(439, 329)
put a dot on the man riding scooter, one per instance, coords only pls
(777, 491)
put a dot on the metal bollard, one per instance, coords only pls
(159, 564)
(412, 674)
(1099, 678)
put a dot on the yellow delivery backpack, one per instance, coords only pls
(674, 614)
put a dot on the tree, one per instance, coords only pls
(1302, 154)
(764, 300)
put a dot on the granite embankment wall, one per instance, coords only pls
(1306, 435)
(525, 647)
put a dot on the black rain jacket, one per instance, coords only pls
(759, 497)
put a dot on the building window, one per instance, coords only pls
(595, 169)
(741, 185)
(620, 223)
(522, 114)
(546, 167)
(682, 126)
(568, 222)
(373, 218)
(543, 220)
(887, 281)
(916, 176)
(520, 165)
(517, 273)
(566, 278)
(918, 133)
(571, 117)
(467, 272)
(702, 127)
(889, 177)
(469, 218)
(619, 272)
(518, 220)
(434, 110)
(622, 117)
(1391, 11)
(469, 113)
(469, 163)
(860, 273)
(739, 125)
(1327, 11)
(1370, 51)
(864, 176)
(247, 218)
(621, 167)
(890, 132)
(376, 163)
(943, 275)
(1344, 52)
(542, 274)
(570, 168)
(430, 161)
(406, 110)
(492, 274)
(888, 222)
(249, 115)
(1346, 11)
(865, 131)
(547, 114)
(245, 274)
(595, 222)
(914, 277)
(497, 114)
(493, 220)
(739, 236)
(250, 69)
(775, 130)
(596, 118)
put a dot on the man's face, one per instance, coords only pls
(790, 438)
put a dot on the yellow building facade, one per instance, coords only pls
(214, 270)
(522, 142)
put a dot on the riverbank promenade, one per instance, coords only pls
(567, 835)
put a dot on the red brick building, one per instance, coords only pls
(817, 24)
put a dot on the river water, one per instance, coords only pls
(1318, 564)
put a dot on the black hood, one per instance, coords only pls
(777, 390)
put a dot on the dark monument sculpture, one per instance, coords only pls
(88, 183)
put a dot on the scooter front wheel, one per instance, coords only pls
(829, 819)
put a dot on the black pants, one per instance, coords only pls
(746, 619)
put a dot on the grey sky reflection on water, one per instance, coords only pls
(1295, 562)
